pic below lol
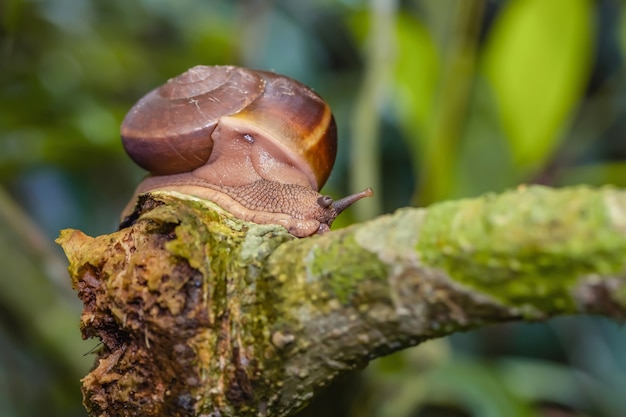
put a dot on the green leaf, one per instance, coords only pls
(477, 387)
(596, 174)
(538, 60)
(416, 77)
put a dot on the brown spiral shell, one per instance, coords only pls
(169, 130)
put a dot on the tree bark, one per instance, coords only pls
(201, 314)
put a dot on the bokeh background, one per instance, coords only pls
(434, 100)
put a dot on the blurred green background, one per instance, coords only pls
(434, 100)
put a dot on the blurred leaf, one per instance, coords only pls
(484, 161)
(415, 80)
(38, 305)
(541, 382)
(469, 384)
(595, 174)
(538, 60)
(379, 55)
(97, 124)
(622, 27)
(10, 15)
(478, 387)
(359, 23)
(439, 161)
(411, 381)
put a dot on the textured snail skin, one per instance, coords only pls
(256, 143)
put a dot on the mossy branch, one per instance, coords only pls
(203, 314)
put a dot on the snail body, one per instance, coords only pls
(258, 144)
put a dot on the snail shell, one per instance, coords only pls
(259, 144)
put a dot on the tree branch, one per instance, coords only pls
(203, 314)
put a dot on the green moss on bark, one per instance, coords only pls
(521, 250)
(343, 265)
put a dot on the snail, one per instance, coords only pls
(258, 144)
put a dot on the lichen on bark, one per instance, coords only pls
(169, 299)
